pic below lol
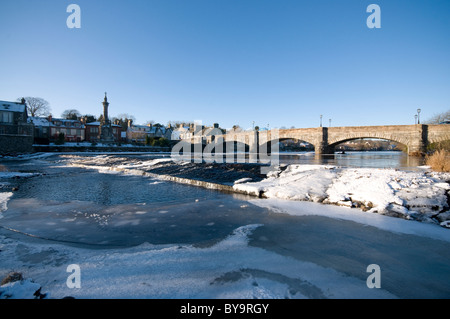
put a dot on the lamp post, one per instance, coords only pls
(418, 115)
(321, 116)
(415, 119)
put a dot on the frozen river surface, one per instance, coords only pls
(137, 237)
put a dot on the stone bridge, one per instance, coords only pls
(324, 139)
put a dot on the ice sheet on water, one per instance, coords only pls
(392, 224)
(126, 225)
(229, 269)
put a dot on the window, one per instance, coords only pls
(6, 117)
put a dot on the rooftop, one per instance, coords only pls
(12, 106)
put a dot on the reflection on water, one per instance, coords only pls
(355, 159)
(375, 159)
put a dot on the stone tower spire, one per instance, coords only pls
(105, 109)
(106, 133)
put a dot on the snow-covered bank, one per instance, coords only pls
(419, 195)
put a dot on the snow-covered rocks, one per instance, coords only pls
(4, 198)
(297, 182)
(14, 286)
(417, 195)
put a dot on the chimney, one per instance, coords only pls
(130, 122)
(22, 101)
(49, 118)
(216, 125)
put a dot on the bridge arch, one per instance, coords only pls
(333, 146)
(411, 137)
(267, 144)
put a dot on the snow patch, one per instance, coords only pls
(4, 198)
(23, 289)
(297, 182)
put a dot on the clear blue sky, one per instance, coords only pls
(275, 62)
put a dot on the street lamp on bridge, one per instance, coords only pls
(415, 119)
(418, 115)
(321, 116)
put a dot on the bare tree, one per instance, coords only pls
(71, 114)
(439, 118)
(36, 106)
(126, 116)
(122, 120)
(237, 128)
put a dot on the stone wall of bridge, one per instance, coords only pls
(415, 137)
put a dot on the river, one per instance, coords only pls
(110, 215)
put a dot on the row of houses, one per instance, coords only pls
(18, 131)
(14, 120)
(49, 129)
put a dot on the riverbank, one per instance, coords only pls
(420, 195)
